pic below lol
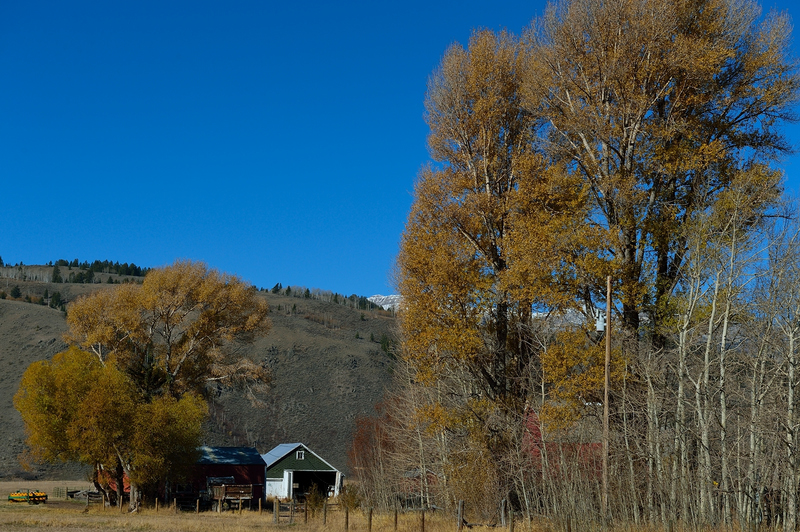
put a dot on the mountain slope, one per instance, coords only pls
(326, 359)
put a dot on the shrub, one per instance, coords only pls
(315, 499)
(348, 498)
(55, 300)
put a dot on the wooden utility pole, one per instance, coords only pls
(605, 398)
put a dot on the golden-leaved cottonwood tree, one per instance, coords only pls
(128, 395)
(659, 106)
(465, 295)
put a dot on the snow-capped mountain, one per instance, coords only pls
(386, 302)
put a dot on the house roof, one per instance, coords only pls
(277, 453)
(229, 455)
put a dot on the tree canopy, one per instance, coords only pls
(127, 397)
(171, 333)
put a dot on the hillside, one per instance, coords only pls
(323, 376)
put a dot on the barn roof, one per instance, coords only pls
(229, 455)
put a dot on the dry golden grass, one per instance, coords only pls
(72, 516)
(69, 516)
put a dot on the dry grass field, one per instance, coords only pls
(71, 516)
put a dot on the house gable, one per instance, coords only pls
(292, 462)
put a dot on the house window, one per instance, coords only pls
(301, 455)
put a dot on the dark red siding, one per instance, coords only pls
(242, 474)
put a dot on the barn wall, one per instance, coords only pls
(242, 474)
(279, 487)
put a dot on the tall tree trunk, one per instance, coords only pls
(634, 502)
(119, 477)
(723, 411)
(652, 436)
(703, 413)
(790, 522)
(680, 467)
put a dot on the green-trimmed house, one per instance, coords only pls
(292, 468)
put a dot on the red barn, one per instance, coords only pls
(562, 457)
(244, 464)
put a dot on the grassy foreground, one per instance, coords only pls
(62, 516)
(71, 516)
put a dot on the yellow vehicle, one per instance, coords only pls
(29, 496)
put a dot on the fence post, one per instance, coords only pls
(346, 519)
(276, 508)
(503, 513)
(240, 505)
(156, 504)
(325, 512)
(305, 512)
(395, 519)
(422, 522)
(510, 519)
(197, 506)
(369, 520)
(259, 505)
(460, 516)
(291, 511)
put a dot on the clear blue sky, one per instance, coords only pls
(276, 141)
